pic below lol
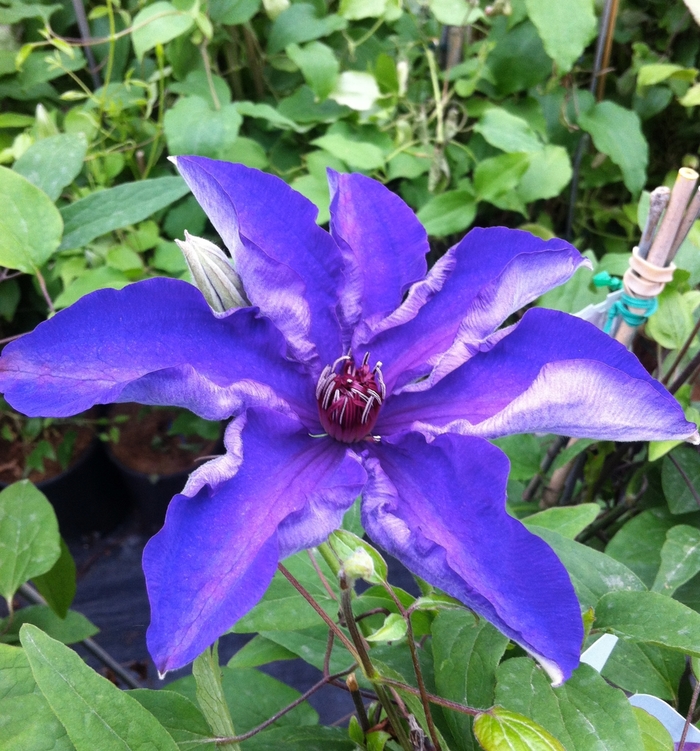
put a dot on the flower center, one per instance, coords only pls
(349, 398)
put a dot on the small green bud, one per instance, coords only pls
(359, 565)
(213, 274)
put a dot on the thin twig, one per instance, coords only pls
(416, 667)
(327, 655)
(552, 452)
(685, 477)
(44, 291)
(686, 374)
(433, 699)
(11, 338)
(321, 575)
(316, 687)
(681, 353)
(689, 718)
(354, 690)
(328, 621)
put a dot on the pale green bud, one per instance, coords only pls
(359, 565)
(213, 274)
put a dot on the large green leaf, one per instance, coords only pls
(585, 714)
(655, 737)
(318, 64)
(448, 213)
(261, 651)
(652, 618)
(638, 544)
(673, 322)
(497, 176)
(252, 698)
(466, 653)
(193, 127)
(29, 540)
(114, 208)
(507, 132)
(57, 585)
(680, 559)
(593, 573)
(503, 730)
(645, 669)
(358, 154)
(310, 645)
(301, 23)
(53, 163)
(73, 628)
(94, 712)
(178, 715)
(568, 521)
(617, 132)
(158, 23)
(565, 26)
(548, 173)
(30, 224)
(304, 738)
(680, 476)
(26, 720)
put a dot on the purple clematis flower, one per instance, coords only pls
(357, 371)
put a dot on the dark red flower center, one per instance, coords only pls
(349, 398)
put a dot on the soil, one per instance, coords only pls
(145, 446)
(14, 453)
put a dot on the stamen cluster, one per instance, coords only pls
(349, 398)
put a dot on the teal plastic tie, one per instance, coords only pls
(622, 307)
(603, 279)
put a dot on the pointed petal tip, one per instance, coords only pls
(172, 159)
(161, 676)
(694, 439)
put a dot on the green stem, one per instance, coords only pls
(329, 557)
(210, 696)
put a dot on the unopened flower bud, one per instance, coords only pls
(213, 274)
(359, 565)
(274, 7)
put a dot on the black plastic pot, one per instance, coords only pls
(89, 496)
(150, 494)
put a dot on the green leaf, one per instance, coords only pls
(178, 715)
(210, 693)
(259, 651)
(233, 12)
(680, 559)
(568, 521)
(53, 163)
(583, 714)
(617, 132)
(16, 677)
(57, 585)
(306, 738)
(315, 188)
(448, 213)
(266, 112)
(283, 608)
(346, 545)
(104, 277)
(29, 540)
(638, 544)
(115, 208)
(678, 484)
(199, 84)
(547, 175)
(655, 737)
(28, 724)
(158, 23)
(95, 713)
(673, 322)
(394, 628)
(73, 628)
(356, 10)
(30, 224)
(455, 12)
(518, 61)
(359, 154)
(300, 23)
(497, 176)
(650, 75)
(14, 119)
(650, 617)
(525, 453)
(645, 669)
(466, 652)
(593, 574)
(318, 64)
(566, 27)
(193, 127)
(575, 295)
(507, 132)
(252, 698)
(310, 645)
(502, 730)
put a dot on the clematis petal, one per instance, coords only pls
(553, 373)
(440, 509)
(219, 548)
(156, 342)
(383, 243)
(490, 274)
(290, 268)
